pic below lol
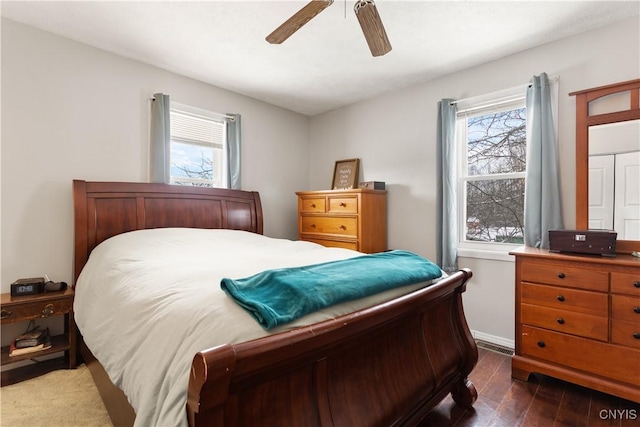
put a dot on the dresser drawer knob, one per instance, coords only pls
(636, 284)
(343, 227)
(343, 205)
(636, 335)
(6, 314)
(313, 205)
(561, 275)
(560, 320)
(541, 344)
(560, 298)
(636, 309)
(48, 310)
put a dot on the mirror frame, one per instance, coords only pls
(583, 121)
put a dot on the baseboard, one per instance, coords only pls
(495, 343)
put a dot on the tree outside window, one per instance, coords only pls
(493, 176)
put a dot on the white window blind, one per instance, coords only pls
(194, 129)
(198, 147)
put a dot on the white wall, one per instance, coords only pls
(394, 136)
(70, 111)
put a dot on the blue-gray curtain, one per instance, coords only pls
(160, 139)
(446, 169)
(233, 151)
(542, 210)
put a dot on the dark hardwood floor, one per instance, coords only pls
(542, 401)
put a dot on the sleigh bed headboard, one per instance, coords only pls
(105, 209)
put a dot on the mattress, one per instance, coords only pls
(147, 301)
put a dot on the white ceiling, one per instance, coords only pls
(327, 63)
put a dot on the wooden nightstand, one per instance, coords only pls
(25, 308)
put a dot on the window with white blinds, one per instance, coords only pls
(198, 147)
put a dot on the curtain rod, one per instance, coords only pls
(504, 99)
(226, 116)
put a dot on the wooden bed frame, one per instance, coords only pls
(389, 364)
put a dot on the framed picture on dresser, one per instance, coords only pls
(345, 174)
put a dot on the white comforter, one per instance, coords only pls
(147, 301)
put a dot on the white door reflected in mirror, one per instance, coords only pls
(614, 178)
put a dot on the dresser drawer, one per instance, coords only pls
(626, 333)
(346, 226)
(565, 298)
(625, 308)
(570, 322)
(564, 274)
(625, 283)
(343, 205)
(610, 361)
(315, 205)
(345, 244)
(36, 310)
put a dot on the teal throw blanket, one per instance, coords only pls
(274, 297)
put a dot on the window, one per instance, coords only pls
(198, 147)
(492, 147)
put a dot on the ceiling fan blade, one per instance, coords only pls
(301, 17)
(372, 27)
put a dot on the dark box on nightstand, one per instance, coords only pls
(600, 242)
(372, 185)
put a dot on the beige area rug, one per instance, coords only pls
(62, 398)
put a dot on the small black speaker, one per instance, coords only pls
(54, 286)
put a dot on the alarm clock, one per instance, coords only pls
(30, 286)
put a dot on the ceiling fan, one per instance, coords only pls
(365, 11)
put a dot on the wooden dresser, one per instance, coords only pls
(578, 319)
(352, 219)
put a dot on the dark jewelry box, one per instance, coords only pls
(597, 242)
(372, 185)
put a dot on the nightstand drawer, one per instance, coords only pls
(568, 275)
(343, 205)
(570, 322)
(565, 298)
(35, 310)
(314, 205)
(330, 225)
(625, 308)
(625, 283)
